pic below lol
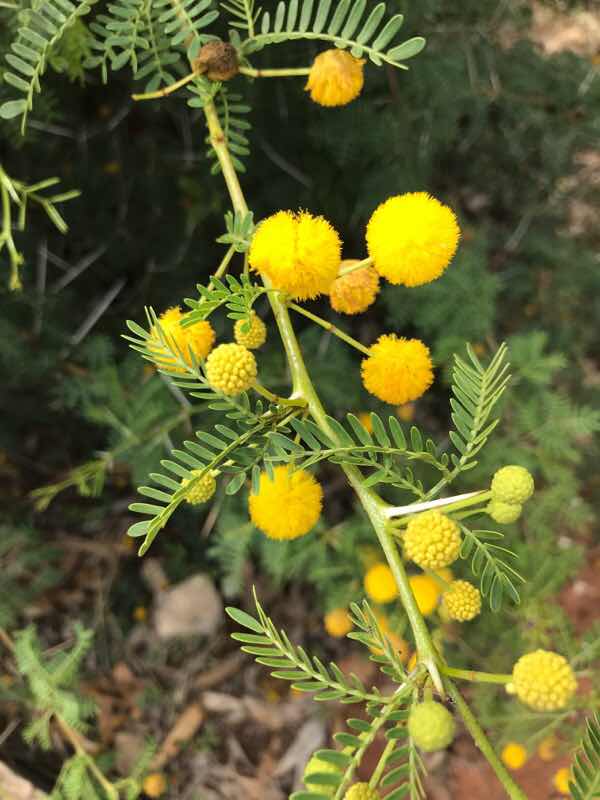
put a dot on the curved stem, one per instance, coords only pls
(476, 677)
(329, 326)
(483, 743)
(373, 505)
(274, 73)
(167, 90)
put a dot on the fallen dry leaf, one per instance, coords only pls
(185, 727)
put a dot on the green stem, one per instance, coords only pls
(6, 238)
(222, 268)
(381, 764)
(275, 398)
(483, 743)
(329, 327)
(366, 262)
(167, 90)
(476, 677)
(273, 73)
(373, 505)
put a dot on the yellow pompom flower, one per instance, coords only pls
(338, 623)
(426, 592)
(397, 370)
(361, 791)
(462, 601)
(288, 506)
(231, 369)
(252, 335)
(354, 292)
(300, 254)
(543, 680)
(202, 490)
(432, 540)
(379, 584)
(154, 785)
(561, 780)
(198, 338)
(514, 755)
(336, 78)
(412, 238)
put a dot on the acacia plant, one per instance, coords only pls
(273, 444)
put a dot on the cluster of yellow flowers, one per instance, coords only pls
(230, 368)
(515, 756)
(410, 240)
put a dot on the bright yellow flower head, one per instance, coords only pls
(338, 623)
(379, 584)
(462, 601)
(155, 784)
(432, 540)
(561, 780)
(202, 491)
(412, 238)
(336, 78)
(514, 755)
(300, 254)
(426, 592)
(253, 335)
(397, 370)
(231, 369)
(287, 506)
(199, 338)
(543, 680)
(354, 292)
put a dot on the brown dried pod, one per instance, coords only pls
(217, 60)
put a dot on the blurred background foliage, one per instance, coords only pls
(487, 120)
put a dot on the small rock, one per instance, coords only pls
(191, 608)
